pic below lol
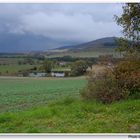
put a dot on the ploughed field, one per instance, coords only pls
(18, 94)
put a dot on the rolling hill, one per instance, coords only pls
(23, 43)
(108, 42)
(103, 46)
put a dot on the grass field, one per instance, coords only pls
(17, 94)
(10, 60)
(13, 69)
(75, 116)
(93, 53)
(53, 105)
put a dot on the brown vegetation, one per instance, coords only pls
(111, 84)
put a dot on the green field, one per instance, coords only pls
(53, 105)
(12, 61)
(75, 116)
(17, 94)
(84, 54)
(14, 69)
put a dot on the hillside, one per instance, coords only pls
(27, 42)
(12, 43)
(108, 42)
(89, 49)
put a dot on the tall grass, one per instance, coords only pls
(72, 115)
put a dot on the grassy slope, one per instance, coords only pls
(22, 93)
(92, 53)
(75, 116)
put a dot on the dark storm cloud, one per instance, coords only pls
(61, 21)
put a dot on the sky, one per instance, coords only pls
(61, 22)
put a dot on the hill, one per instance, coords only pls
(107, 42)
(27, 42)
(93, 48)
(23, 43)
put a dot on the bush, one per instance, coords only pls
(102, 87)
(116, 83)
(127, 73)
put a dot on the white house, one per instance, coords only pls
(57, 74)
(37, 74)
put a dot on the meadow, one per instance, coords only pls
(54, 105)
(19, 93)
(83, 54)
(11, 66)
(11, 60)
(75, 116)
(14, 69)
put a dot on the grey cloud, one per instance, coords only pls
(83, 22)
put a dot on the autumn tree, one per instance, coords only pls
(122, 81)
(130, 22)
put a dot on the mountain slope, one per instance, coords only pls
(27, 42)
(108, 42)
(24, 42)
(103, 46)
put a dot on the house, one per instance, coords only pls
(57, 74)
(37, 74)
(60, 72)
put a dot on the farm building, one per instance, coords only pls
(37, 74)
(60, 73)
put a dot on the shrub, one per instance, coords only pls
(127, 73)
(116, 83)
(103, 87)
